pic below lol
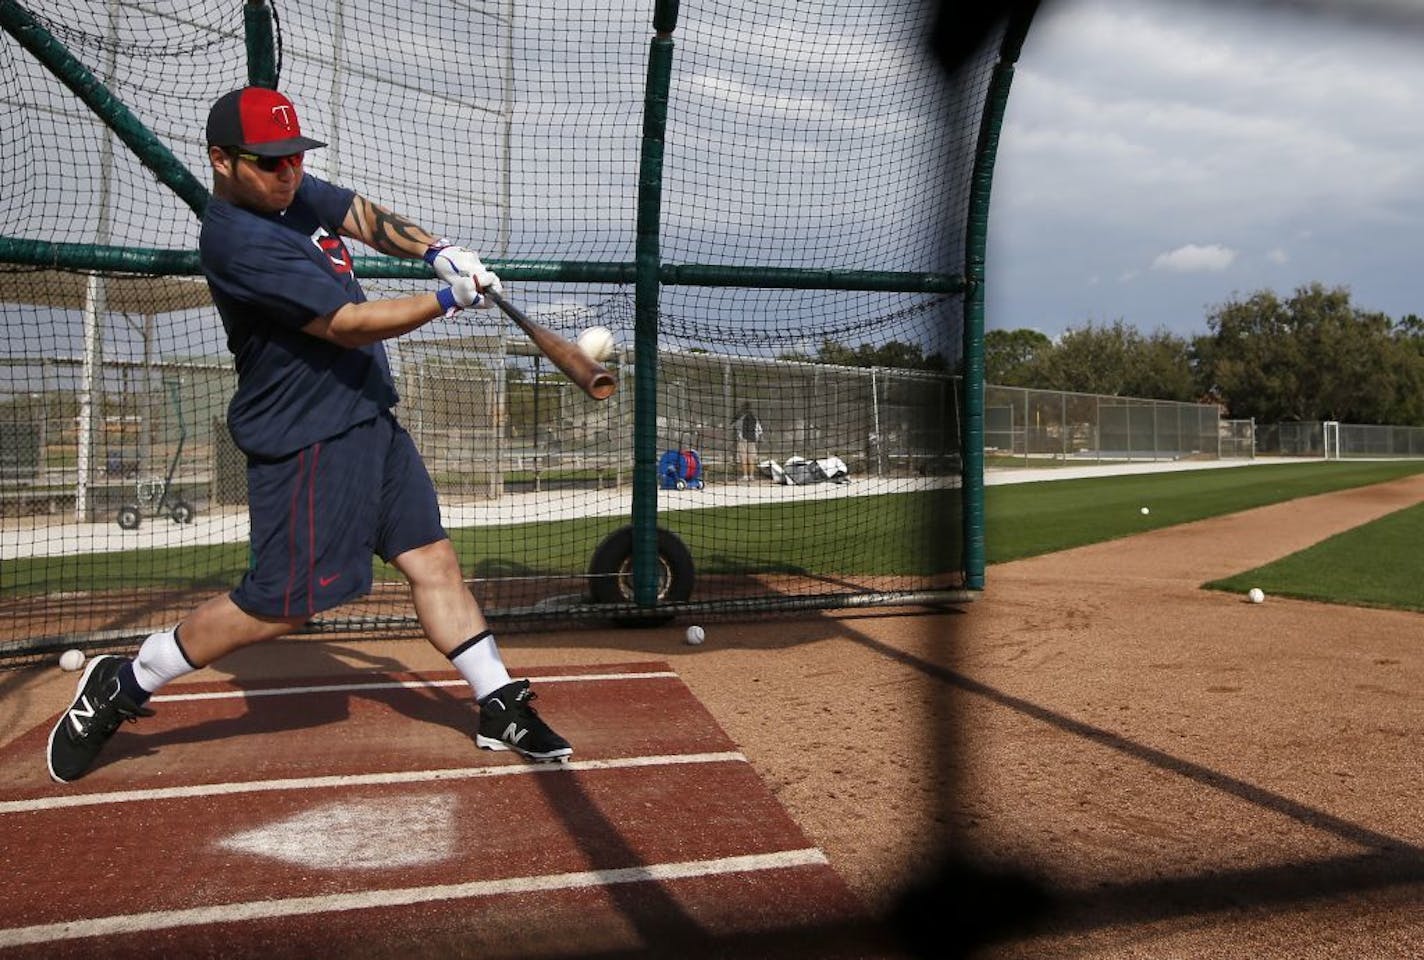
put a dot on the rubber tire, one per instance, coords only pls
(129, 518)
(183, 512)
(611, 568)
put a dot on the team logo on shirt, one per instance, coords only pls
(334, 249)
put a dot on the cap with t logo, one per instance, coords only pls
(257, 120)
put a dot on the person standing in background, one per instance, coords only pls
(748, 432)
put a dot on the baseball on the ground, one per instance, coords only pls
(71, 660)
(696, 635)
(597, 342)
(1256, 595)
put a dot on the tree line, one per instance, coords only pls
(1311, 356)
(895, 353)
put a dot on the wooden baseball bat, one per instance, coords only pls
(583, 370)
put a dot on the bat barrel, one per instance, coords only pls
(592, 378)
(602, 386)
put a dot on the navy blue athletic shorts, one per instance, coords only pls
(319, 515)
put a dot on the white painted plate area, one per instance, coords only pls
(368, 834)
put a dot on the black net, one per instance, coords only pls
(818, 137)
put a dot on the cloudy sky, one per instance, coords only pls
(1160, 158)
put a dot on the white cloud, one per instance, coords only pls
(1192, 258)
(1278, 256)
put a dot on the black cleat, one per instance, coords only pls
(84, 728)
(508, 722)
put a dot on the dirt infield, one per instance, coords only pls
(1189, 774)
(1119, 763)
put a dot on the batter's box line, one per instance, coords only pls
(38, 804)
(394, 685)
(408, 896)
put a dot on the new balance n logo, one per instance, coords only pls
(512, 733)
(81, 711)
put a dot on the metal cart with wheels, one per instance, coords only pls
(155, 495)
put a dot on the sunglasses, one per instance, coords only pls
(270, 164)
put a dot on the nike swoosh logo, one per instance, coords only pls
(328, 581)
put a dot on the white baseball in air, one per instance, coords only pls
(696, 635)
(71, 660)
(1145, 511)
(1256, 595)
(597, 342)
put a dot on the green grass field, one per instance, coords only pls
(769, 538)
(1025, 520)
(1022, 520)
(1373, 565)
(766, 538)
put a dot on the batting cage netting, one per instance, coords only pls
(769, 205)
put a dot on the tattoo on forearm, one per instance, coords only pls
(388, 232)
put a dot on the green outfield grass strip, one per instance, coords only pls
(896, 533)
(896, 538)
(910, 534)
(1373, 565)
(1029, 519)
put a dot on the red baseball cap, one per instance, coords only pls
(257, 120)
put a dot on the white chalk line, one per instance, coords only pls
(391, 685)
(39, 804)
(373, 899)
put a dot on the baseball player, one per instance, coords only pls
(332, 476)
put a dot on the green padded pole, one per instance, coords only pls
(261, 44)
(647, 254)
(800, 278)
(976, 241)
(56, 58)
(94, 256)
(151, 260)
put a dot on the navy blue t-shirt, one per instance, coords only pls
(271, 275)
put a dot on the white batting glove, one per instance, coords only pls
(488, 282)
(461, 293)
(451, 262)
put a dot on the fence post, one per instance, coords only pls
(875, 422)
(1063, 424)
(1025, 428)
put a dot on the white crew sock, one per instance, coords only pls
(479, 663)
(160, 659)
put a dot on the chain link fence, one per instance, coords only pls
(1026, 425)
(1334, 440)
